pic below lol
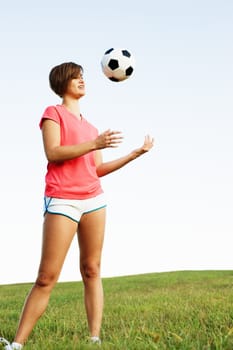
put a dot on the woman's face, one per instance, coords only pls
(76, 87)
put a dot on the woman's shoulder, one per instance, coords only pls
(52, 109)
(51, 113)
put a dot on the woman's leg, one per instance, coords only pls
(58, 233)
(91, 236)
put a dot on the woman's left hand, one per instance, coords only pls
(148, 143)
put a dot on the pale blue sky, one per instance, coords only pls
(171, 209)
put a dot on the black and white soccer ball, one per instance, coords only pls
(118, 64)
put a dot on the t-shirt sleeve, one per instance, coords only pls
(50, 113)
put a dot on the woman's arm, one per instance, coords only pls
(103, 169)
(57, 153)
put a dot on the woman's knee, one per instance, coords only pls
(90, 270)
(46, 280)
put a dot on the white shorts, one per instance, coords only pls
(73, 208)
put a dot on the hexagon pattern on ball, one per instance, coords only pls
(118, 64)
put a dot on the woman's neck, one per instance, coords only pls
(72, 106)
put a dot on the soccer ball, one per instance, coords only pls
(117, 64)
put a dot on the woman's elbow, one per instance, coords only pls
(52, 156)
(100, 172)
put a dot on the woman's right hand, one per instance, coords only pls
(109, 139)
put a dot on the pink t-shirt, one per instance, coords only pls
(76, 178)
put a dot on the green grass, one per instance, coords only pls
(186, 310)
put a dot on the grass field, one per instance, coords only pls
(190, 310)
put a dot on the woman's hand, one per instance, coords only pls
(108, 138)
(147, 145)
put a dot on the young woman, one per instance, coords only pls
(74, 199)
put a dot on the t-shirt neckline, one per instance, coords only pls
(66, 109)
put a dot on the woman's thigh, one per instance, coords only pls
(58, 233)
(91, 235)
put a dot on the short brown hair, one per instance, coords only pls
(60, 76)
